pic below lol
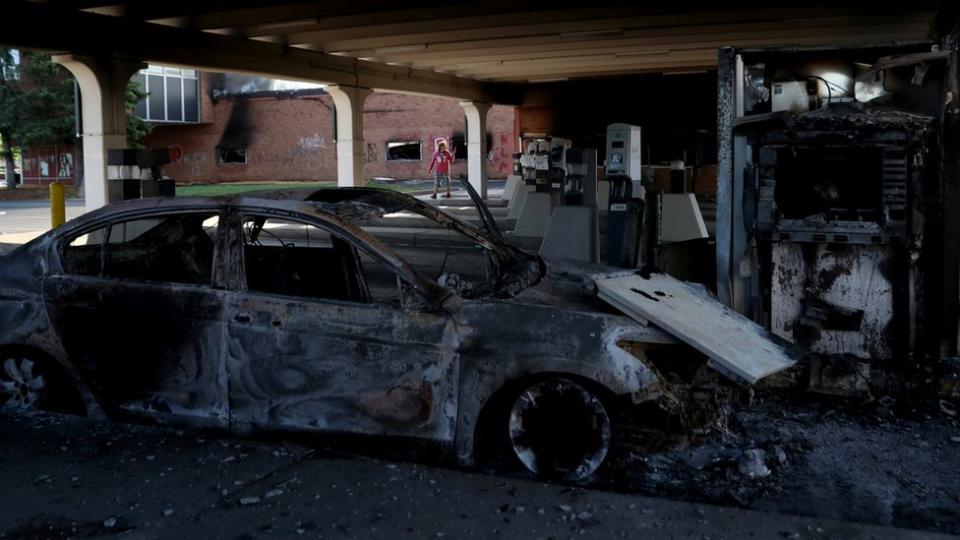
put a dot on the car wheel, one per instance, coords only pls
(22, 385)
(560, 430)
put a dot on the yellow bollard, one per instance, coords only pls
(58, 207)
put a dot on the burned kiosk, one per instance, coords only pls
(830, 228)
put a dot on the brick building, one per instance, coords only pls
(233, 128)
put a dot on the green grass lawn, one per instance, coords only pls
(216, 190)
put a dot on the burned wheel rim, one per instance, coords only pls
(558, 429)
(21, 386)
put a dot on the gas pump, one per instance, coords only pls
(623, 222)
(573, 231)
(625, 211)
(573, 180)
(541, 166)
(528, 171)
(558, 169)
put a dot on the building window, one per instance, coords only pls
(403, 150)
(173, 95)
(458, 145)
(231, 154)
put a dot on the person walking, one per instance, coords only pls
(442, 159)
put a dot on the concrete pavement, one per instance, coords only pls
(20, 221)
(68, 476)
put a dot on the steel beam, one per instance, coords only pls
(96, 35)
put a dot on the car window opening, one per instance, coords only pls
(443, 255)
(296, 259)
(174, 249)
(449, 252)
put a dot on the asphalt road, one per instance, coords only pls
(28, 216)
(68, 476)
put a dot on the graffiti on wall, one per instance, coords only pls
(500, 156)
(371, 154)
(311, 142)
(48, 163)
(197, 163)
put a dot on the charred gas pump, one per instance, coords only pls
(625, 211)
(557, 169)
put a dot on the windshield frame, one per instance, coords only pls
(356, 204)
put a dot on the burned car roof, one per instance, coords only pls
(389, 201)
(334, 219)
(332, 199)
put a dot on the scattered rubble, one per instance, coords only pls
(751, 464)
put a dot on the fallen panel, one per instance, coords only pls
(736, 346)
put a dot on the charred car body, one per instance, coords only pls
(260, 313)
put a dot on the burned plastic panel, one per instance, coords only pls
(830, 195)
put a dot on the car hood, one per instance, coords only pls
(567, 284)
(7, 248)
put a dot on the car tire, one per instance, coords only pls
(559, 429)
(31, 382)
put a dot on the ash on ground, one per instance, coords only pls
(828, 459)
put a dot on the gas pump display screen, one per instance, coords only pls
(616, 144)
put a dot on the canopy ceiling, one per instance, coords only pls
(524, 41)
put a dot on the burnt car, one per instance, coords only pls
(320, 315)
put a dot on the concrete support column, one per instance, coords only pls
(476, 113)
(103, 83)
(348, 103)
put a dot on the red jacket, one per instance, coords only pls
(442, 159)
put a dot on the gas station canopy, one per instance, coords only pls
(468, 50)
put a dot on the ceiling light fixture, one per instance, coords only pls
(287, 24)
(402, 48)
(588, 33)
(642, 53)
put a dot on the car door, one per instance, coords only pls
(134, 303)
(317, 341)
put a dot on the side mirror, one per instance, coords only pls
(411, 300)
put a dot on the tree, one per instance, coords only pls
(11, 107)
(137, 128)
(48, 102)
(37, 104)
